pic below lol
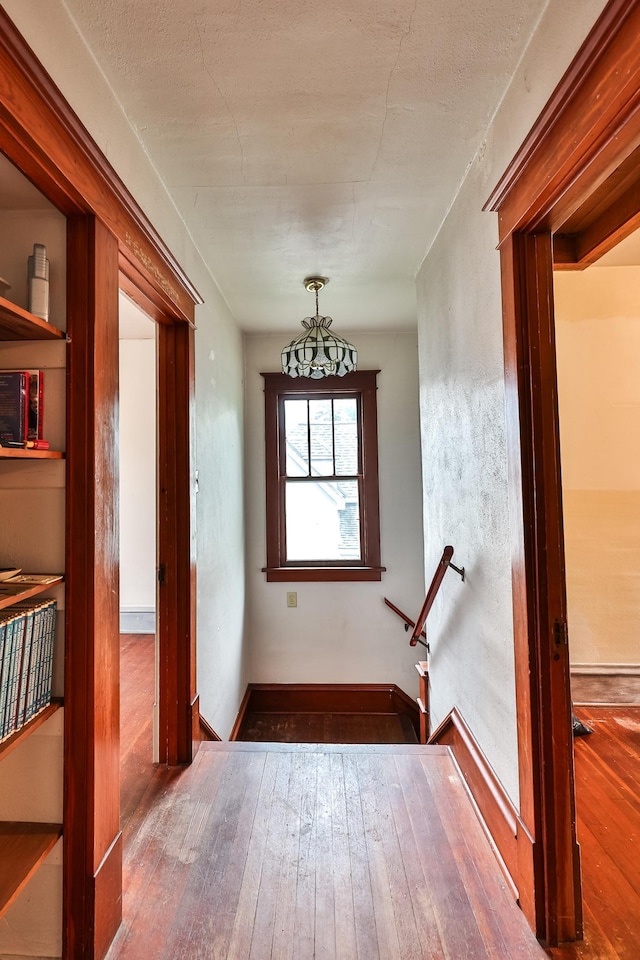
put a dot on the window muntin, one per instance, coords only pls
(322, 478)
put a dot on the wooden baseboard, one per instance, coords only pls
(605, 669)
(244, 706)
(507, 833)
(207, 732)
(326, 698)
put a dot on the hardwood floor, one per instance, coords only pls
(327, 728)
(269, 852)
(137, 652)
(608, 801)
(291, 852)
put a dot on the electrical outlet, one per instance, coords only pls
(292, 599)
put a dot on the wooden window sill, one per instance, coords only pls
(322, 574)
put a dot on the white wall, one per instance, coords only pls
(47, 27)
(462, 413)
(342, 632)
(598, 350)
(138, 477)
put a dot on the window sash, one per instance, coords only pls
(360, 386)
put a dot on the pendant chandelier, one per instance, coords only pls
(318, 352)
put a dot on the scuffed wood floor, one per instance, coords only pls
(608, 806)
(288, 852)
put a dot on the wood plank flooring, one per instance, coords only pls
(266, 851)
(327, 728)
(608, 804)
(287, 852)
(137, 679)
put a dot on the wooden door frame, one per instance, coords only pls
(570, 194)
(109, 237)
(179, 715)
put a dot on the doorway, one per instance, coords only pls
(138, 547)
(597, 327)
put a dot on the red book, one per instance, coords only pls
(36, 404)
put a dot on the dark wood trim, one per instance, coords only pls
(92, 648)
(295, 574)
(277, 387)
(107, 891)
(242, 712)
(498, 815)
(43, 135)
(176, 544)
(206, 730)
(598, 232)
(326, 698)
(592, 109)
(151, 300)
(574, 176)
(542, 677)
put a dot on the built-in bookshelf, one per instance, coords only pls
(26, 845)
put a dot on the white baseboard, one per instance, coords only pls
(606, 669)
(137, 620)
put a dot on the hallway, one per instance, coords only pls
(281, 851)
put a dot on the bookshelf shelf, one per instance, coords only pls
(16, 453)
(11, 593)
(19, 324)
(6, 746)
(23, 847)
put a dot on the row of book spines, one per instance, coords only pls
(27, 633)
(22, 404)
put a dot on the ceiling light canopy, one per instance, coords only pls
(318, 352)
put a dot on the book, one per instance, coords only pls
(24, 667)
(35, 401)
(49, 615)
(36, 405)
(3, 670)
(27, 639)
(14, 407)
(14, 627)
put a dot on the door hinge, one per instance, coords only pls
(162, 574)
(560, 633)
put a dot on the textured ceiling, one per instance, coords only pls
(300, 138)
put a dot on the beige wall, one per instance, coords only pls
(342, 632)
(466, 497)
(598, 348)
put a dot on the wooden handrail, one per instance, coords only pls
(419, 634)
(408, 622)
(441, 569)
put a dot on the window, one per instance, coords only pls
(321, 440)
